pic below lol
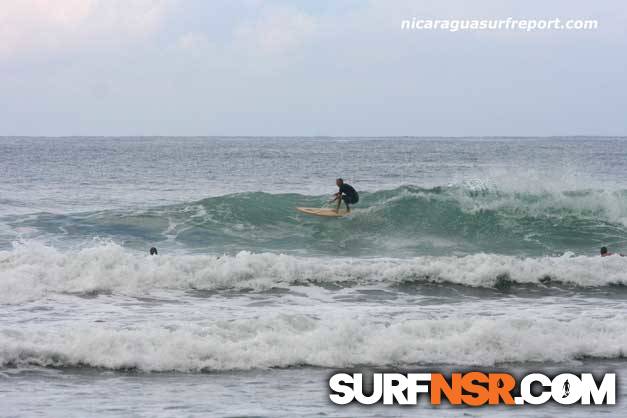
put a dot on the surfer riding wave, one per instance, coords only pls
(347, 194)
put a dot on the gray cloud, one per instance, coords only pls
(309, 68)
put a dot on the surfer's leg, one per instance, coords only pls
(345, 199)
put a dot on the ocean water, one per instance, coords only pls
(463, 253)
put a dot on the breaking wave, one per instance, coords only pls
(401, 222)
(298, 340)
(31, 271)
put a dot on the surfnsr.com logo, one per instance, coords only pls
(473, 389)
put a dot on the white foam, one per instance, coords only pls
(31, 271)
(296, 340)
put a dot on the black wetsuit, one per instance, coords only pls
(349, 195)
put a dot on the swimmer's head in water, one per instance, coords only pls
(339, 182)
(153, 251)
(603, 250)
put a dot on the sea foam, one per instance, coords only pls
(31, 271)
(298, 340)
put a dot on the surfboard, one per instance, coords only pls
(327, 212)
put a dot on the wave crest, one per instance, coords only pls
(32, 271)
(286, 341)
(400, 222)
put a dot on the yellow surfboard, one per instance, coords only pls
(326, 212)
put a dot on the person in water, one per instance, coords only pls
(605, 253)
(347, 194)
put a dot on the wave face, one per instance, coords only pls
(405, 221)
(288, 341)
(33, 271)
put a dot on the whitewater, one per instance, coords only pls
(462, 253)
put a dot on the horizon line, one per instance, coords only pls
(321, 136)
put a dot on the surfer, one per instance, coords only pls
(347, 194)
(605, 253)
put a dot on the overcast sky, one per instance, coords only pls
(318, 67)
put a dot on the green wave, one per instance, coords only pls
(401, 222)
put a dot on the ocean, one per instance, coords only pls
(462, 254)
